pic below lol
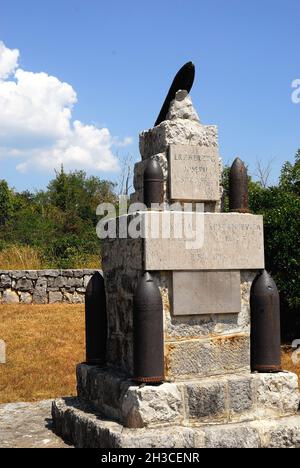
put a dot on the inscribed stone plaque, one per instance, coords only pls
(194, 173)
(222, 241)
(206, 292)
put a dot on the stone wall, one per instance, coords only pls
(43, 286)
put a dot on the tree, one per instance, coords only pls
(125, 183)
(6, 202)
(290, 175)
(263, 172)
(59, 222)
(280, 207)
(78, 194)
(281, 210)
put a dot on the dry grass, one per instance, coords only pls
(44, 343)
(287, 363)
(20, 258)
(92, 262)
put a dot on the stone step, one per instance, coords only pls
(75, 421)
(223, 399)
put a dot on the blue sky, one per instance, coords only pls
(120, 58)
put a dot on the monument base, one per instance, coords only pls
(240, 410)
(75, 422)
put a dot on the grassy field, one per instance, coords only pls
(44, 343)
(25, 257)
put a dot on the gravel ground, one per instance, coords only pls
(28, 425)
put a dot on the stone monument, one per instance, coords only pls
(209, 397)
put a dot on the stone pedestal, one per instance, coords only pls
(210, 342)
(233, 411)
(209, 398)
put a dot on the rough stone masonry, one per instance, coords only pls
(209, 397)
(43, 286)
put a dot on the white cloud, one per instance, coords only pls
(8, 61)
(36, 123)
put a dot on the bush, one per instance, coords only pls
(58, 224)
(280, 207)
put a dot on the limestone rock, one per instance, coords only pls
(58, 282)
(240, 392)
(86, 280)
(278, 392)
(10, 297)
(73, 298)
(55, 297)
(25, 298)
(24, 284)
(74, 282)
(193, 358)
(182, 108)
(91, 272)
(40, 292)
(75, 421)
(68, 273)
(5, 281)
(177, 132)
(78, 273)
(143, 405)
(32, 274)
(232, 437)
(206, 401)
(287, 435)
(17, 274)
(50, 273)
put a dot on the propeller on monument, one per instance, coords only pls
(183, 80)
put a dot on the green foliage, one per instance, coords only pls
(280, 207)
(6, 202)
(60, 224)
(281, 212)
(60, 221)
(290, 176)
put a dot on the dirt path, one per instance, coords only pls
(27, 425)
